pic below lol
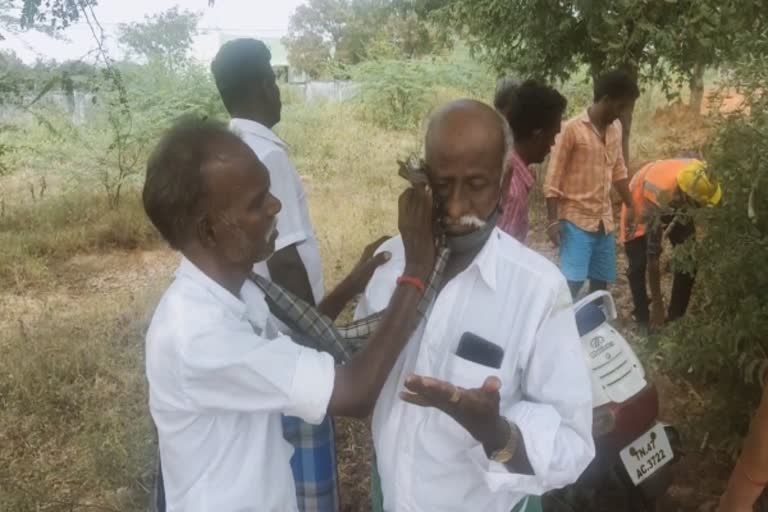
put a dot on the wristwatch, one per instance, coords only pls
(505, 453)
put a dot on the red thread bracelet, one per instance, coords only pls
(748, 477)
(413, 281)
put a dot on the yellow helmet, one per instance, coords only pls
(695, 183)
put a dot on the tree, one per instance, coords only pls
(310, 53)
(662, 40)
(165, 37)
(54, 14)
(347, 32)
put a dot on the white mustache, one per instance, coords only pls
(466, 220)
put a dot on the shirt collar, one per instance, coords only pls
(584, 117)
(240, 126)
(190, 271)
(486, 260)
(519, 167)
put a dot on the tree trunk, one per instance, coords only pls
(696, 84)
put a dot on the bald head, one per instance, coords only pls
(466, 146)
(467, 128)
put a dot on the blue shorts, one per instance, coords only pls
(585, 255)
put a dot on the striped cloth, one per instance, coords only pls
(517, 184)
(313, 463)
(313, 329)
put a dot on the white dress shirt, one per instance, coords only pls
(219, 377)
(517, 299)
(293, 222)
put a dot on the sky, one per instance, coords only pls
(255, 18)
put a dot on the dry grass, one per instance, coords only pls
(72, 391)
(34, 236)
(73, 420)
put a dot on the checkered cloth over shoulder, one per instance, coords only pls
(313, 329)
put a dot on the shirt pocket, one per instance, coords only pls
(466, 374)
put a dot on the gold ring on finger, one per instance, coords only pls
(456, 396)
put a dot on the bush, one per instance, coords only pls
(394, 94)
(398, 94)
(131, 105)
(723, 342)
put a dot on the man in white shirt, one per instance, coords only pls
(489, 405)
(220, 374)
(247, 85)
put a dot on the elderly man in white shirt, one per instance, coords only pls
(489, 405)
(220, 374)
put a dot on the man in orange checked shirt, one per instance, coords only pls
(586, 163)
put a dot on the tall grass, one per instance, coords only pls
(35, 236)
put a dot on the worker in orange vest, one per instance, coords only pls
(662, 193)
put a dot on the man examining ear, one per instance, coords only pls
(220, 373)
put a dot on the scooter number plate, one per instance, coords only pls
(647, 454)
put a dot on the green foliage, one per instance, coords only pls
(722, 341)
(394, 94)
(398, 94)
(129, 108)
(165, 37)
(327, 33)
(136, 109)
(52, 13)
(660, 39)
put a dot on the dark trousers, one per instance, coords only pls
(682, 283)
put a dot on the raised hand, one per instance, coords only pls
(369, 261)
(477, 410)
(416, 225)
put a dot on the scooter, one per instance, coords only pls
(634, 450)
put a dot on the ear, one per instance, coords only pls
(266, 87)
(205, 231)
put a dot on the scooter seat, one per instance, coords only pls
(589, 317)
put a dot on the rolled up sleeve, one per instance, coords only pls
(243, 372)
(558, 161)
(312, 386)
(555, 415)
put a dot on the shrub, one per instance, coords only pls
(722, 342)
(398, 94)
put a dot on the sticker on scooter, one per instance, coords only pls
(598, 346)
(647, 454)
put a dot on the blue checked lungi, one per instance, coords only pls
(313, 464)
